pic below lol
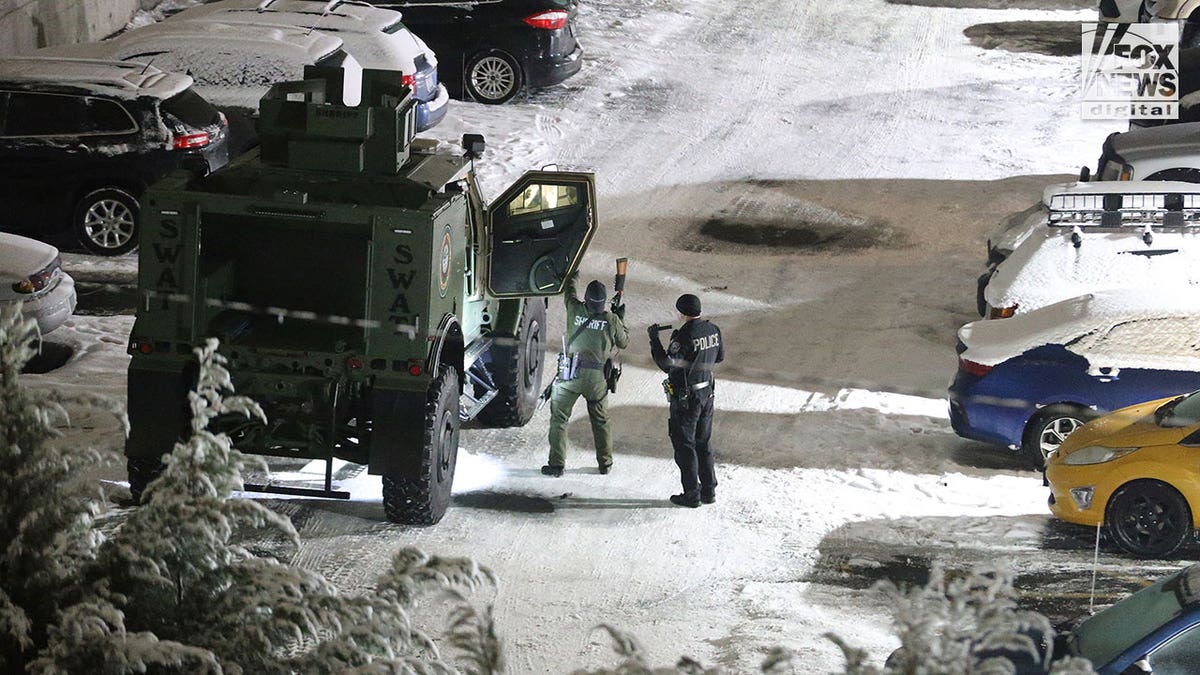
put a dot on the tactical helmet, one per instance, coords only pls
(595, 297)
(688, 305)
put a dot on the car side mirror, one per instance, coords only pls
(1085, 174)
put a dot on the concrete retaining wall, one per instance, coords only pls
(29, 24)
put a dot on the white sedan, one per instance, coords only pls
(31, 272)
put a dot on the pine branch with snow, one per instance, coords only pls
(90, 637)
(966, 624)
(46, 516)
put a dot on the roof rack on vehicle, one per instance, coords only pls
(1125, 209)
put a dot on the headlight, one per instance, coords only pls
(1095, 454)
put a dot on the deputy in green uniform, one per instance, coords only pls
(593, 332)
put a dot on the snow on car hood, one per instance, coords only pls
(1140, 327)
(22, 256)
(1049, 267)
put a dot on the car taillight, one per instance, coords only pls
(972, 368)
(1002, 312)
(549, 20)
(408, 80)
(38, 280)
(191, 141)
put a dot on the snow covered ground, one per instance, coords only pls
(824, 175)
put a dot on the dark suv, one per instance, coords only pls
(80, 140)
(492, 49)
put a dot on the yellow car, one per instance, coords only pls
(1137, 472)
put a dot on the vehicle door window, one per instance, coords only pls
(102, 116)
(1177, 656)
(31, 114)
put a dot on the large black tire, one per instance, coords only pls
(142, 470)
(422, 498)
(493, 77)
(1148, 518)
(1049, 428)
(106, 221)
(516, 369)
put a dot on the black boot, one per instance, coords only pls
(551, 470)
(604, 468)
(690, 501)
(708, 496)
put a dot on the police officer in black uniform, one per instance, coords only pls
(695, 348)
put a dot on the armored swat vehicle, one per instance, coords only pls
(362, 291)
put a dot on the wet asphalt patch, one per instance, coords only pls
(1051, 38)
(767, 214)
(50, 356)
(797, 236)
(105, 299)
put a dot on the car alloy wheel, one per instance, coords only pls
(493, 77)
(106, 221)
(1049, 428)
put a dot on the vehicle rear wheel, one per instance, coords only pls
(516, 368)
(106, 221)
(493, 77)
(1148, 518)
(422, 498)
(1049, 428)
(142, 471)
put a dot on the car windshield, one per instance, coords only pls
(1106, 635)
(1182, 411)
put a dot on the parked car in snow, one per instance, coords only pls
(1155, 630)
(1102, 235)
(1170, 152)
(1135, 471)
(492, 49)
(374, 37)
(233, 64)
(1030, 381)
(31, 273)
(80, 140)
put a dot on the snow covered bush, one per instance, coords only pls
(951, 626)
(175, 589)
(177, 568)
(961, 625)
(47, 510)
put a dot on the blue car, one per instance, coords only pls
(1156, 630)
(1028, 381)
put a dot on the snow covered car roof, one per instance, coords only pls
(1138, 327)
(375, 36)
(1080, 249)
(233, 64)
(265, 38)
(335, 16)
(105, 77)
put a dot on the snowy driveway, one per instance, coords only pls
(824, 175)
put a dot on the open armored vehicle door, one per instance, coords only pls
(538, 231)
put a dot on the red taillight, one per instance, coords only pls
(408, 80)
(354, 363)
(549, 20)
(1002, 312)
(415, 370)
(972, 368)
(191, 141)
(38, 280)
